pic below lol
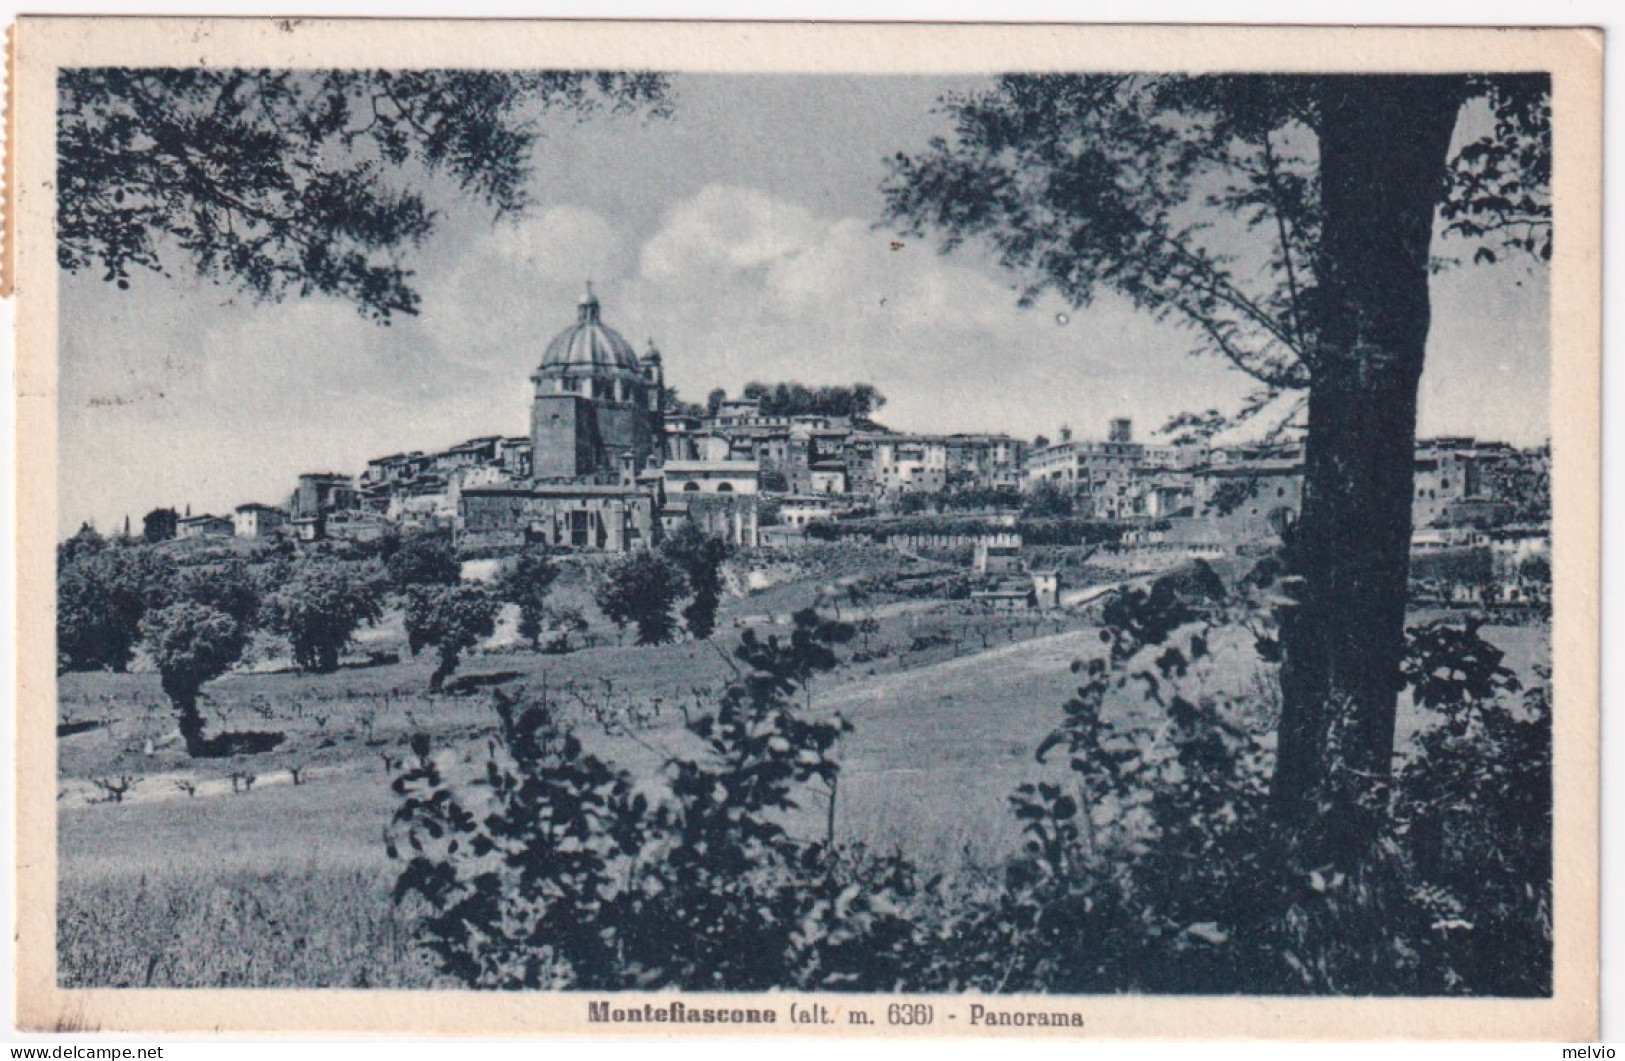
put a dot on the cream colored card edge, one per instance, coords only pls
(39, 46)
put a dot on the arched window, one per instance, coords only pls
(725, 488)
(690, 487)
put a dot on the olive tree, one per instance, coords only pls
(320, 607)
(641, 589)
(452, 620)
(191, 644)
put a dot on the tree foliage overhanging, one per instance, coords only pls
(283, 182)
(1199, 200)
(1289, 223)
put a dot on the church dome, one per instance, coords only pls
(589, 343)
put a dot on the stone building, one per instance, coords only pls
(1252, 499)
(1452, 480)
(996, 554)
(732, 517)
(988, 462)
(318, 497)
(319, 493)
(1080, 466)
(595, 517)
(910, 463)
(255, 521)
(711, 477)
(203, 527)
(1046, 589)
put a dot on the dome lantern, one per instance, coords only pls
(589, 345)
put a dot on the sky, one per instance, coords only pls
(742, 236)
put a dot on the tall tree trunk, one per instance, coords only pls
(183, 693)
(1383, 151)
(443, 670)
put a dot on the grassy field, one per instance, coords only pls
(269, 869)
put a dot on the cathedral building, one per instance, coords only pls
(599, 410)
(598, 454)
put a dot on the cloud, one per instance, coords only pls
(498, 291)
(562, 244)
(798, 265)
(725, 229)
(739, 285)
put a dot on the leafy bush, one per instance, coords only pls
(973, 498)
(699, 556)
(527, 584)
(159, 525)
(1156, 866)
(423, 560)
(1465, 567)
(1069, 531)
(1473, 805)
(571, 877)
(1047, 501)
(562, 623)
(229, 587)
(1166, 859)
(823, 530)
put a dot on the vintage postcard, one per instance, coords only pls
(718, 529)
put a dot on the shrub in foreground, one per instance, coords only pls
(1157, 866)
(571, 877)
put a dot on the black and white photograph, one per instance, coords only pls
(920, 549)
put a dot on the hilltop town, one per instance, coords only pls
(614, 462)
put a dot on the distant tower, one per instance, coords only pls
(1122, 430)
(654, 376)
(595, 402)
